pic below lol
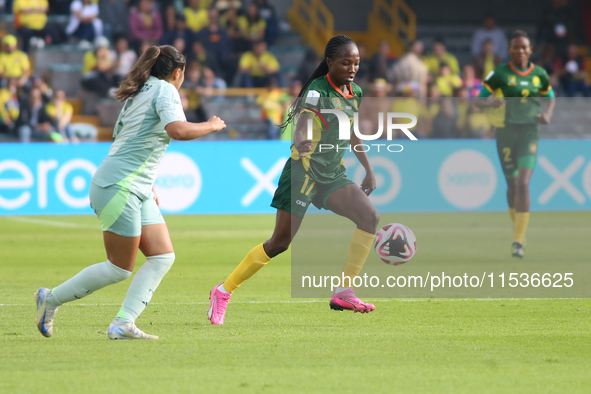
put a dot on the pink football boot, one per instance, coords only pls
(218, 302)
(346, 300)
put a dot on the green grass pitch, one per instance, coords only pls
(272, 343)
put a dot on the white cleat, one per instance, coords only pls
(45, 313)
(127, 331)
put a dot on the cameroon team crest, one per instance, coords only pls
(512, 81)
(336, 102)
(533, 148)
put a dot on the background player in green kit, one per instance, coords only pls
(517, 120)
(122, 193)
(317, 176)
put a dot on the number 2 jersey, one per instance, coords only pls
(508, 81)
(140, 138)
(324, 163)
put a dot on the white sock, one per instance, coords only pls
(87, 281)
(339, 289)
(143, 286)
(223, 290)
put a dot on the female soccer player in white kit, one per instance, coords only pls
(122, 193)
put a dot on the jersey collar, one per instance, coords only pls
(339, 90)
(522, 73)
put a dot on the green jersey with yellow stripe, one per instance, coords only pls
(525, 85)
(325, 164)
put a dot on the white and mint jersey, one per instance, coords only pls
(140, 138)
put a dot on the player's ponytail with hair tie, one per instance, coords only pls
(158, 61)
(332, 48)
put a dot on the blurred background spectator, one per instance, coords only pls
(490, 32)
(115, 17)
(486, 60)
(14, 63)
(60, 112)
(410, 68)
(574, 78)
(258, 66)
(84, 22)
(441, 55)
(145, 23)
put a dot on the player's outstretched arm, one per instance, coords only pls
(185, 131)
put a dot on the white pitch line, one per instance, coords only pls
(54, 223)
(326, 300)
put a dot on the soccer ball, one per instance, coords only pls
(395, 244)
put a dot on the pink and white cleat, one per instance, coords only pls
(346, 300)
(218, 302)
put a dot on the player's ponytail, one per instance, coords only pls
(332, 48)
(158, 61)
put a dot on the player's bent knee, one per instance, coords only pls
(274, 248)
(522, 186)
(161, 262)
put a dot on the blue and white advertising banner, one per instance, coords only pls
(240, 177)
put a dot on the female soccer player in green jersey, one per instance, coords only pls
(315, 176)
(518, 130)
(123, 197)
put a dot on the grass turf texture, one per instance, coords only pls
(271, 343)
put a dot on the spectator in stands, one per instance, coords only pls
(210, 82)
(216, 41)
(37, 82)
(97, 68)
(60, 112)
(180, 44)
(84, 21)
(561, 24)
(252, 25)
(9, 107)
(145, 23)
(486, 61)
(33, 122)
(197, 17)
(179, 30)
(490, 32)
(194, 91)
(574, 77)
(446, 81)
(267, 12)
(14, 63)
(381, 62)
(362, 77)
(410, 68)
(440, 55)
(31, 21)
(551, 64)
(406, 102)
(125, 58)
(258, 66)
(169, 16)
(472, 84)
(273, 104)
(205, 58)
(230, 23)
(115, 17)
(307, 66)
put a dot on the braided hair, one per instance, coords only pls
(332, 48)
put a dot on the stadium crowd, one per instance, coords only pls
(226, 44)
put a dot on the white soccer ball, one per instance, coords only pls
(395, 244)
